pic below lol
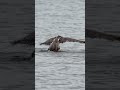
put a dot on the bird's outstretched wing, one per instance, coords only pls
(48, 42)
(67, 39)
(62, 40)
(101, 35)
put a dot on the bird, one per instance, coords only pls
(61, 40)
(55, 41)
(28, 40)
(54, 46)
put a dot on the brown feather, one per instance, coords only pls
(62, 40)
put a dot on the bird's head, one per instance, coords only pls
(59, 36)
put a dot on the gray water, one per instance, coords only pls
(15, 19)
(103, 72)
(64, 70)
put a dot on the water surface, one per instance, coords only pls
(64, 70)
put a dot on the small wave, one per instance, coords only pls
(38, 50)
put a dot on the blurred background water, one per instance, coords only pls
(102, 70)
(64, 70)
(16, 22)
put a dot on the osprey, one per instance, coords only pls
(55, 41)
(54, 46)
(62, 40)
